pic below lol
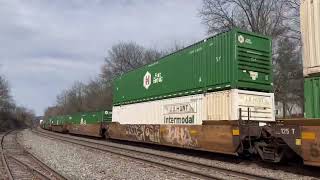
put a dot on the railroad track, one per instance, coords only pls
(17, 163)
(191, 168)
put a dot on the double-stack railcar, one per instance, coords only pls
(59, 123)
(194, 98)
(215, 95)
(89, 123)
(83, 123)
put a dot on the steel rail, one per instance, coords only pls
(31, 168)
(90, 144)
(3, 157)
(46, 167)
(43, 165)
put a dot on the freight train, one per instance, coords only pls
(83, 123)
(215, 95)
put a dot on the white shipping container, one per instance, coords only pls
(310, 30)
(191, 110)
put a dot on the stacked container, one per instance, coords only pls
(84, 118)
(310, 29)
(209, 80)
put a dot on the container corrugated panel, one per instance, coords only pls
(83, 118)
(57, 120)
(180, 110)
(50, 120)
(225, 105)
(312, 97)
(230, 60)
(190, 110)
(90, 117)
(310, 29)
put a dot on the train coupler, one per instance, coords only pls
(268, 152)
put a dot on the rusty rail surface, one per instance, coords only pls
(195, 169)
(19, 163)
(4, 159)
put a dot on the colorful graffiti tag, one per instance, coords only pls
(146, 133)
(180, 135)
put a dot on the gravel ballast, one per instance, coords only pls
(110, 166)
(76, 162)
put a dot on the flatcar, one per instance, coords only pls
(271, 141)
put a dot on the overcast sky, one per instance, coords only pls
(46, 45)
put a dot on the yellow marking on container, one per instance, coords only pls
(308, 135)
(298, 142)
(236, 132)
(163, 130)
(193, 132)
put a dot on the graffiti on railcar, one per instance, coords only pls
(146, 133)
(314, 150)
(181, 135)
(311, 144)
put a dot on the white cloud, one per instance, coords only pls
(63, 41)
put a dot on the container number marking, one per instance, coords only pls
(218, 58)
(288, 131)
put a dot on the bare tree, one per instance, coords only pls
(97, 94)
(288, 81)
(12, 116)
(94, 96)
(75, 98)
(51, 111)
(6, 102)
(124, 57)
(4, 93)
(175, 47)
(276, 18)
(24, 115)
(292, 20)
(267, 17)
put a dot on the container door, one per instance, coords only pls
(254, 57)
(312, 97)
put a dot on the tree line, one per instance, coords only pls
(97, 94)
(278, 19)
(11, 115)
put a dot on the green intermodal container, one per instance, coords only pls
(47, 123)
(81, 118)
(51, 120)
(234, 59)
(90, 117)
(312, 97)
(58, 120)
